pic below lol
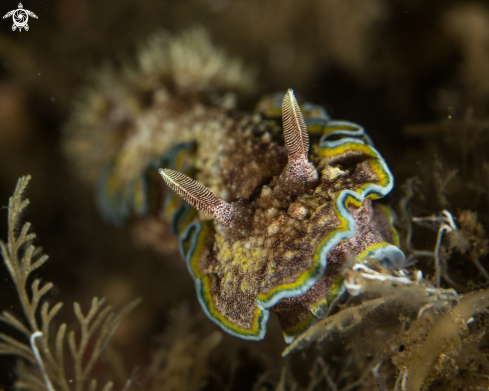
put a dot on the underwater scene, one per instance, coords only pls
(239, 195)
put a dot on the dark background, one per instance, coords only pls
(389, 65)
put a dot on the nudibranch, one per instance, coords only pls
(282, 248)
(285, 194)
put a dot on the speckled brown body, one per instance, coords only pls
(286, 218)
(274, 237)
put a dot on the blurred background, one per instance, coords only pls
(414, 73)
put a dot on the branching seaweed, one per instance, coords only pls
(181, 360)
(44, 351)
(442, 179)
(445, 223)
(436, 335)
(440, 338)
(410, 188)
(469, 238)
(394, 287)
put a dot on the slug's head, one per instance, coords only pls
(298, 173)
(270, 251)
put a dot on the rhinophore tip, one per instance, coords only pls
(296, 140)
(199, 196)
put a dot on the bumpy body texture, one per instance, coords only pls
(289, 198)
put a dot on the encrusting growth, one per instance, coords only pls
(199, 196)
(296, 140)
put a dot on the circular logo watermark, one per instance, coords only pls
(20, 16)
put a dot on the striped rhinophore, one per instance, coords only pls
(341, 224)
(286, 194)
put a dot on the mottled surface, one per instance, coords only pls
(271, 253)
(414, 74)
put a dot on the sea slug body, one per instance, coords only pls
(285, 196)
(282, 248)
